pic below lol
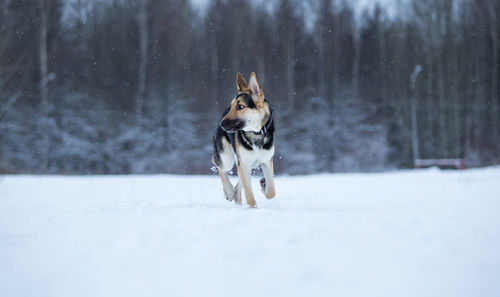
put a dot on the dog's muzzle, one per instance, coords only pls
(230, 125)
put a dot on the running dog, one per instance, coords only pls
(245, 136)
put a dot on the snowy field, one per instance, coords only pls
(410, 233)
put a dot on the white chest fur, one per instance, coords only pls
(253, 158)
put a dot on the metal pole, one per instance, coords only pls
(413, 111)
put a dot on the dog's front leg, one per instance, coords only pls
(267, 183)
(226, 184)
(245, 174)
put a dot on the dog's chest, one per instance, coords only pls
(253, 152)
(255, 157)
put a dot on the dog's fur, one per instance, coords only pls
(245, 136)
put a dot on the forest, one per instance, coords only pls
(130, 86)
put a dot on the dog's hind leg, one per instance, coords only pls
(227, 185)
(237, 193)
(267, 183)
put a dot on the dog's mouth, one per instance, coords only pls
(231, 126)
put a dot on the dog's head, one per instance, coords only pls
(249, 110)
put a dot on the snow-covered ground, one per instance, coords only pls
(411, 233)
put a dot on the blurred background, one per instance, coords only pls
(123, 86)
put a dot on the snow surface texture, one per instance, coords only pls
(418, 233)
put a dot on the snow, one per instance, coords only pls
(406, 233)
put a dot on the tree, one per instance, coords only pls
(142, 20)
(44, 80)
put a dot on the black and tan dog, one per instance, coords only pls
(245, 135)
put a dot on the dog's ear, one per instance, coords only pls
(241, 83)
(254, 86)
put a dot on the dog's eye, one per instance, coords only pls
(239, 106)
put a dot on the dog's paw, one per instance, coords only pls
(262, 184)
(229, 196)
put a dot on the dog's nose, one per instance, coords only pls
(221, 124)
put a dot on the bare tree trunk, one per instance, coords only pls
(494, 73)
(321, 64)
(143, 59)
(44, 91)
(451, 73)
(430, 103)
(322, 70)
(382, 91)
(468, 95)
(441, 93)
(214, 66)
(335, 60)
(355, 63)
(290, 69)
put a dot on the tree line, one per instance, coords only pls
(128, 86)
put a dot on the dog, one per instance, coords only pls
(245, 136)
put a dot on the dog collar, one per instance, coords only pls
(266, 126)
